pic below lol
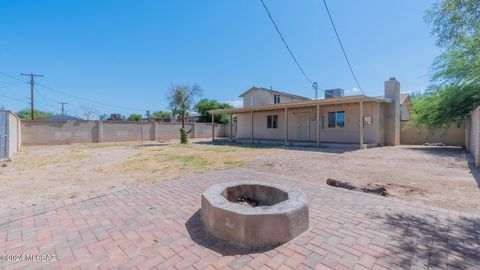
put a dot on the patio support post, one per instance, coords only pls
(318, 125)
(286, 126)
(360, 123)
(251, 122)
(213, 129)
(231, 127)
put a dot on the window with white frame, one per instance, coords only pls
(272, 121)
(336, 119)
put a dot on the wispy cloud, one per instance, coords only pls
(356, 91)
(237, 103)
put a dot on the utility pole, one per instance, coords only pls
(315, 88)
(32, 83)
(63, 107)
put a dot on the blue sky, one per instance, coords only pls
(128, 53)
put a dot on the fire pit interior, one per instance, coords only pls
(254, 195)
(254, 214)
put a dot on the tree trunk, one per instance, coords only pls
(183, 120)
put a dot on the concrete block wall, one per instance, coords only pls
(121, 131)
(59, 132)
(413, 135)
(80, 131)
(474, 135)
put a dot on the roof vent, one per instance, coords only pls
(334, 93)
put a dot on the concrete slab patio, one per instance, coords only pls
(158, 227)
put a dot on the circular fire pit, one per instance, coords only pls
(254, 214)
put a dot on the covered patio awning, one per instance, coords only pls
(360, 99)
(309, 103)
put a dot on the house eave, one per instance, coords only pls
(300, 104)
(273, 92)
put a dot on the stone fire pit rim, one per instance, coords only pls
(295, 198)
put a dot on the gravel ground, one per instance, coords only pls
(442, 177)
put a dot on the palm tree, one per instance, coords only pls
(181, 99)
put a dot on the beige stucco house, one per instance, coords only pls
(269, 116)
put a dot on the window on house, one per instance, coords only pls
(276, 99)
(272, 121)
(336, 119)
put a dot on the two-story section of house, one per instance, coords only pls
(256, 96)
(278, 117)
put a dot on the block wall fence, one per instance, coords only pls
(83, 131)
(472, 135)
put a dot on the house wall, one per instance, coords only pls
(404, 112)
(350, 133)
(474, 135)
(413, 135)
(261, 97)
(80, 131)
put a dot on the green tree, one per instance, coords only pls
(445, 105)
(135, 117)
(27, 115)
(455, 77)
(204, 105)
(181, 99)
(160, 114)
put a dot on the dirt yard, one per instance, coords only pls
(442, 177)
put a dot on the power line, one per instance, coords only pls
(285, 43)
(47, 102)
(32, 86)
(63, 107)
(13, 98)
(341, 46)
(76, 97)
(89, 100)
(10, 85)
(12, 77)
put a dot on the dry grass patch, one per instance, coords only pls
(22, 162)
(99, 145)
(181, 158)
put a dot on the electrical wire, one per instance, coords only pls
(45, 100)
(10, 85)
(13, 98)
(89, 100)
(341, 46)
(285, 43)
(110, 106)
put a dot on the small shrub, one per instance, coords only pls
(183, 136)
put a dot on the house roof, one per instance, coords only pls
(308, 103)
(59, 118)
(403, 97)
(275, 92)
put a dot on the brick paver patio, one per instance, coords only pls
(159, 227)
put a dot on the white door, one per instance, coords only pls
(303, 126)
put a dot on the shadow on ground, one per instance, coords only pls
(152, 144)
(200, 235)
(326, 148)
(459, 153)
(456, 152)
(425, 242)
(475, 171)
